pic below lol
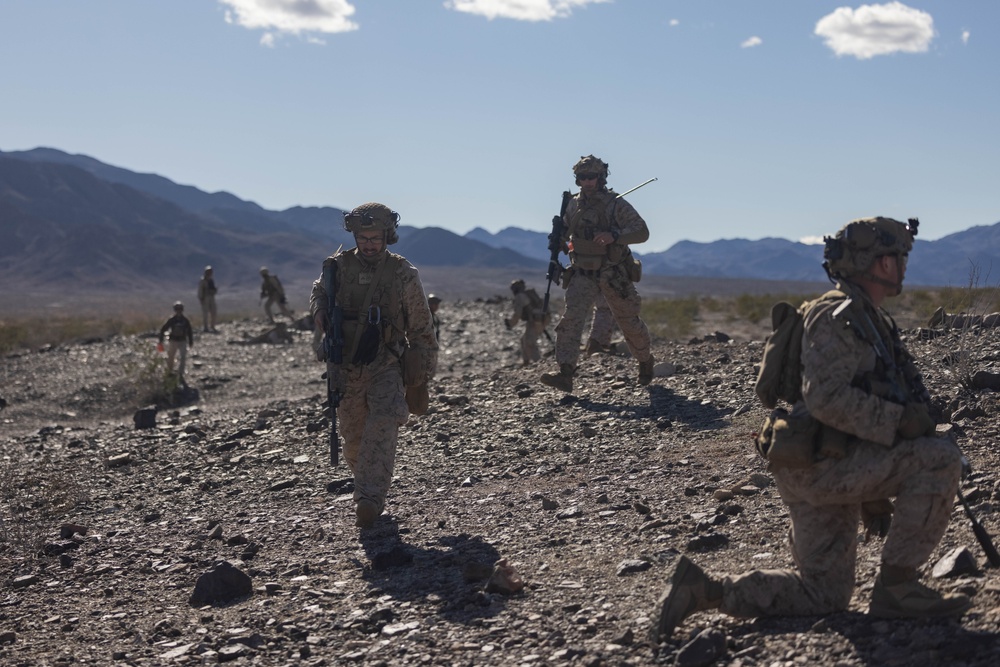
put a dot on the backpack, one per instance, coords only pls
(533, 310)
(780, 375)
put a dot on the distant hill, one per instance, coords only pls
(75, 221)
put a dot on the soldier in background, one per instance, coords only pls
(385, 311)
(206, 297)
(963, 320)
(180, 336)
(527, 307)
(434, 302)
(860, 386)
(598, 228)
(271, 289)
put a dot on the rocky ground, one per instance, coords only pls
(590, 498)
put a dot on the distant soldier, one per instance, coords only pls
(863, 422)
(434, 302)
(384, 312)
(601, 329)
(206, 297)
(963, 320)
(527, 307)
(271, 289)
(180, 336)
(598, 228)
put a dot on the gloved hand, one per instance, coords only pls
(915, 422)
(876, 516)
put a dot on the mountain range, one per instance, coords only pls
(73, 222)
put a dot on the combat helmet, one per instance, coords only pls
(373, 217)
(851, 251)
(178, 307)
(588, 164)
(517, 286)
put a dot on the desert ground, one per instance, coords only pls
(590, 497)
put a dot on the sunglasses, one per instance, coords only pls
(587, 177)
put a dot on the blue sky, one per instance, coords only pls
(780, 118)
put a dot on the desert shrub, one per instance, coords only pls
(28, 333)
(146, 376)
(35, 497)
(670, 318)
(755, 308)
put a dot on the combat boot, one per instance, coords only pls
(593, 347)
(367, 512)
(689, 590)
(646, 371)
(911, 599)
(562, 380)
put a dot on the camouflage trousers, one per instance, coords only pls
(624, 303)
(603, 326)
(824, 502)
(177, 348)
(529, 341)
(282, 307)
(371, 411)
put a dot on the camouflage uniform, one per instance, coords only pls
(535, 321)
(180, 336)
(602, 328)
(206, 296)
(600, 269)
(271, 289)
(374, 406)
(824, 500)
(860, 433)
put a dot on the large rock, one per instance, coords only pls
(223, 584)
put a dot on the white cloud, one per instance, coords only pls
(674, 23)
(965, 37)
(519, 10)
(267, 39)
(876, 30)
(811, 240)
(291, 16)
(752, 42)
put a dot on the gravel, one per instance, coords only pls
(588, 499)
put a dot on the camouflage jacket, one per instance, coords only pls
(603, 211)
(845, 382)
(404, 316)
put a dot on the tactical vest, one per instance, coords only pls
(592, 216)
(384, 312)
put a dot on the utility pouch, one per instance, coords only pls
(788, 440)
(633, 268)
(370, 339)
(412, 363)
(832, 443)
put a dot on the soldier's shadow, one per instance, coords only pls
(664, 408)
(451, 575)
(904, 642)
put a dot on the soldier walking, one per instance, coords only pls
(180, 336)
(860, 385)
(271, 289)
(384, 311)
(527, 307)
(206, 297)
(598, 228)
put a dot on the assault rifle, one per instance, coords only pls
(333, 346)
(984, 539)
(555, 247)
